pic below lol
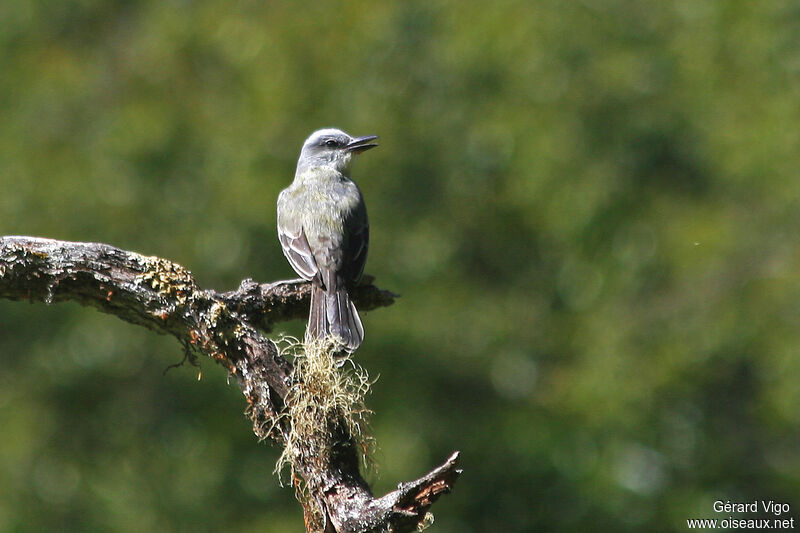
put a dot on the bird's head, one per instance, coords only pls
(333, 148)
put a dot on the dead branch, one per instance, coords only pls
(227, 326)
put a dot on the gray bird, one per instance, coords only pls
(324, 232)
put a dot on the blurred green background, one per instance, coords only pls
(591, 210)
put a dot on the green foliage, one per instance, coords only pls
(590, 209)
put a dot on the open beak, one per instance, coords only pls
(360, 144)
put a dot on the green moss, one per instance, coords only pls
(326, 399)
(170, 280)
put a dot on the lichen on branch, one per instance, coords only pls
(325, 407)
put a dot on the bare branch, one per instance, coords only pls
(406, 507)
(164, 297)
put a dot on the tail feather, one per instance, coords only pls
(333, 314)
(317, 317)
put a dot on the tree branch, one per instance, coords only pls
(164, 297)
(266, 304)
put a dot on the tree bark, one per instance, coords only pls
(163, 296)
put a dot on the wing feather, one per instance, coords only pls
(298, 252)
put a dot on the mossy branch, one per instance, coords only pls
(227, 326)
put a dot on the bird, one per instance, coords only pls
(324, 233)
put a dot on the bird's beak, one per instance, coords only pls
(360, 144)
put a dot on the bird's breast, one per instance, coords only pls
(322, 206)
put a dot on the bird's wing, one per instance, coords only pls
(298, 252)
(356, 244)
(359, 244)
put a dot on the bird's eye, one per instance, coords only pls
(331, 143)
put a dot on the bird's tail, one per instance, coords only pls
(333, 314)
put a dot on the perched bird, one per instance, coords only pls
(324, 232)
